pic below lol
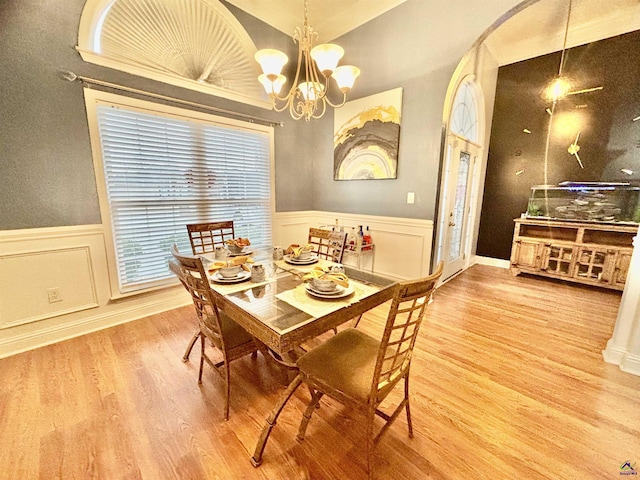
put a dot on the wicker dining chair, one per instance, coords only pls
(225, 335)
(205, 237)
(359, 370)
(328, 244)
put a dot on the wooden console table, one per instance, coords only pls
(590, 253)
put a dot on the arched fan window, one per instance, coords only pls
(464, 116)
(196, 44)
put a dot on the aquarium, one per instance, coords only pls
(586, 202)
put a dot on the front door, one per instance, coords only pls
(461, 160)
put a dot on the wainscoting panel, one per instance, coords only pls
(402, 245)
(73, 260)
(45, 284)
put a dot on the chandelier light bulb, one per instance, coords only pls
(271, 61)
(345, 76)
(272, 87)
(558, 89)
(311, 91)
(327, 57)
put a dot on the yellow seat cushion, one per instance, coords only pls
(346, 362)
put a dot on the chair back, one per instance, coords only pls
(194, 277)
(205, 237)
(174, 266)
(401, 331)
(328, 244)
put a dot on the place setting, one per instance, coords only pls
(300, 255)
(238, 246)
(327, 284)
(234, 270)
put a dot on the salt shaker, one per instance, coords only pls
(220, 253)
(337, 268)
(278, 253)
(257, 273)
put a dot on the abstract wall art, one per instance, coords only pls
(367, 136)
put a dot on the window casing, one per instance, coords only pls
(159, 168)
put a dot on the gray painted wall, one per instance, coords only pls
(416, 46)
(46, 169)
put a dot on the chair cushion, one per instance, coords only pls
(346, 362)
(234, 334)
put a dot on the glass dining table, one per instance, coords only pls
(282, 313)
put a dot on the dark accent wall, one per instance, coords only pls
(609, 139)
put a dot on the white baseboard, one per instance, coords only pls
(613, 354)
(631, 364)
(492, 262)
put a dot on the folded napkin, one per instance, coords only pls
(295, 250)
(235, 261)
(320, 273)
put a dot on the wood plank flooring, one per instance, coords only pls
(508, 381)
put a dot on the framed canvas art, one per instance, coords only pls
(366, 137)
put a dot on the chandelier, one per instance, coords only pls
(308, 98)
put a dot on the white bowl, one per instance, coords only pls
(233, 248)
(230, 272)
(323, 285)
(304, 255)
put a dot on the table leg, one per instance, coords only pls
(256, 459)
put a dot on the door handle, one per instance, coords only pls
(452, 224)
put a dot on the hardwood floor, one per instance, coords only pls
(508, 381)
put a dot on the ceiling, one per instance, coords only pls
(330, 18)
(537, 30)
(540, 28)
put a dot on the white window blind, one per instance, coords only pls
(163, 172)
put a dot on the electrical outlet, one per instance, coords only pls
(54, 294)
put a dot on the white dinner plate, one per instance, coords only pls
(294, 261)
(241, 277)
(243, 252)
(345, 293)
(337, 291)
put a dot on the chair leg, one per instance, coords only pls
(406, 397)
(201, 359)
(370, 442)
(356, 322)
(315, 399)
(256, 459)
(227, 389)
(187, 352)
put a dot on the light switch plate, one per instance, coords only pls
(411, 197)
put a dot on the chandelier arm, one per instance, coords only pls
(275, 105)
(324, 108)
(296, 110)
(337, 105)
